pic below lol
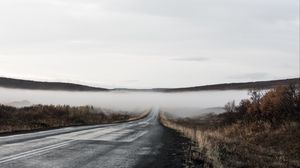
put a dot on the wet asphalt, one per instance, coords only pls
(139, 144)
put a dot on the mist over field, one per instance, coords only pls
(142, 84)
(184, 103)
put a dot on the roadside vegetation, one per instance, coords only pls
(263, 131)
(49, 116)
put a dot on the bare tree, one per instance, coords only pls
(230, 106)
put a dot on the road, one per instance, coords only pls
(142, 143)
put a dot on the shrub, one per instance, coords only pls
(46, 116)
(230, 106)
(276, 104)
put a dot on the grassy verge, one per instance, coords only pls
(49, 116)
(261, 132)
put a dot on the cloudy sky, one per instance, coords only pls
(149, 43)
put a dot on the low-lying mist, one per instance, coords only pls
(180, 103)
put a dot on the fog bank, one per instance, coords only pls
(185, 103)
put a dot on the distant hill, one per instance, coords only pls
(37, 85)
(236, 86)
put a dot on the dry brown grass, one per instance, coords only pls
(49, 116)
(262, 132)
(255, 144)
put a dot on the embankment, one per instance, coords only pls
(41, 117)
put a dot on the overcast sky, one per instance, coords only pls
(149, 43)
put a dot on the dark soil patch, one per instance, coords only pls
(175, 153)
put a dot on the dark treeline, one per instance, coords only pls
(237, 86)
(29, 84)
(48, 116)
(37, 85)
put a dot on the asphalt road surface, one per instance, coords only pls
(142, 143)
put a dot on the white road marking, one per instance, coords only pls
(34, 152)
(145, 151)
(134, 136)
(115, 135)
(36, 133)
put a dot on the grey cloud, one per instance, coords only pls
(113, 41)
(129, 81)
(193, 59)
